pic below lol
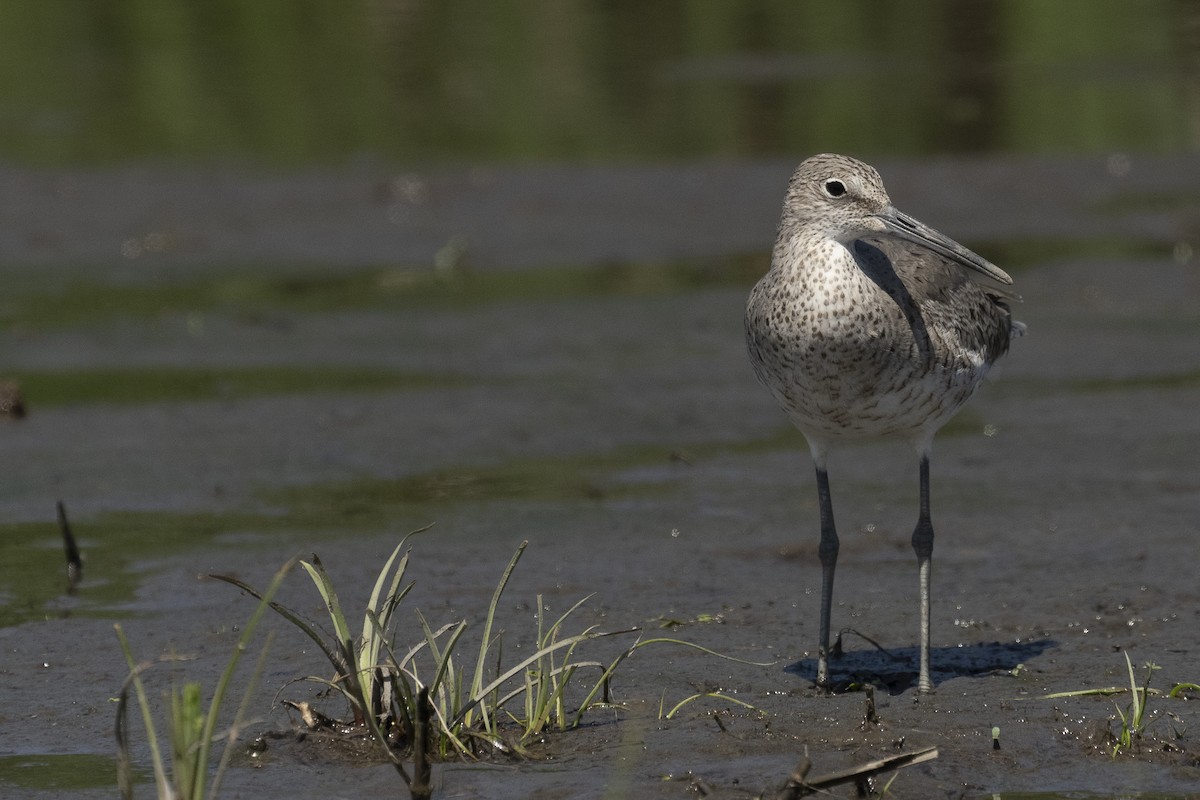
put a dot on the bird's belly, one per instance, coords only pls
(866, 385)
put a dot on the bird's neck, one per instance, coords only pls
(803, 255)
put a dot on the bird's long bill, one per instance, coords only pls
(905, 227)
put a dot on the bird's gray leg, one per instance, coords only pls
(922, 542)
(828, 553)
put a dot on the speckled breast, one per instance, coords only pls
(846, 360)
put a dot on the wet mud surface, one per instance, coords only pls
(614, 423)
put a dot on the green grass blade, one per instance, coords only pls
(705, 650)
(612, 668)
(565, 671)
(717, 695)
(186, 738)
(161, 780)
(431, 638)
(403, 696)
(558, 623)
(391, 604)
(374, 630)
(305, 625)
(478, 696)
(1151, 668)
(239, 717)
(341, 631)
(343, 639)
(243, 642)
(491, 616)
(1103, 692)
(1135, 707)
(442, 657)
(381, 737)
(397, 577)
(424, 643)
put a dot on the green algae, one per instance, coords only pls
(253, 294)
(65, 772)
(181, 384)
(1017, 253)
(33, 578)
(116, 544)
(1159, 382)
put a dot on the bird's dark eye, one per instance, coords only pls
(835, 188)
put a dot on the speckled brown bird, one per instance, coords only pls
(870, 323)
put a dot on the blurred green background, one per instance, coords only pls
(288, 82)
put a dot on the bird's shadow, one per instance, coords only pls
(896, 671)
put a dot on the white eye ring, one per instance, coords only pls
(835, 188)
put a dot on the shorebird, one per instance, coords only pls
(870, 323)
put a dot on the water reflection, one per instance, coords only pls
(422, 80)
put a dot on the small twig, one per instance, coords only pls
(870, 641)
(421, 787)
(795, 786)
(74, 562)
(124, 761)
(798, 785)
(870, 716)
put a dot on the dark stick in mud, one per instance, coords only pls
(74, 561)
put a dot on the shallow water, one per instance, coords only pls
(226, 366)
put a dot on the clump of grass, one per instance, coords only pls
(1134, 721)
(472, 698)
(1135, 717)
(192, 729)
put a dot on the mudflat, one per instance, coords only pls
(574, 376)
